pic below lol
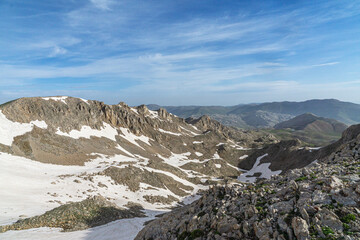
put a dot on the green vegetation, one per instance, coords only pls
(348, 218)
(326, 230)
(346, 227)
(301, 179)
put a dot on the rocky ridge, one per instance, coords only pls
(69, 149)
(319, 201)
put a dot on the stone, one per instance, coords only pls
(300, 227)
(330, 219)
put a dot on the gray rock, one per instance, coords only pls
(300, 227)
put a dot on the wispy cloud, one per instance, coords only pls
(325, 64)
(102, 4)
(56, 51)
(146, 46)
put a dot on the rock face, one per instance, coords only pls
(319, 201)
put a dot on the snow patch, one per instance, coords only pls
(243, 157)
(313, 148)
(154, 114)
(124, 151)
(217, 165)
(191, 132)
(134, 110)
(86, 132)
(216, 156)
(128, 135)
(199, 154)
(10, 129)
(263, 168)
(168, 132)
(62, 99)
(84, 100)
(197, 142)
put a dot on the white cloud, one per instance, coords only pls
(102, 4)
(56, 51)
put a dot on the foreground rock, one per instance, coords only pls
(91, 212)
(320, 201)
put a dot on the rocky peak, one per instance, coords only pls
(143, 109)
(163, 113)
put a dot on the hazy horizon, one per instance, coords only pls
(180, 53)
(194, 105)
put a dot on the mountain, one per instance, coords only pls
(61, 156)
(269, 114)
(309, 128)
(311, 122)
(318, 201)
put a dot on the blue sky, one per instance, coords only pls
(180, 52)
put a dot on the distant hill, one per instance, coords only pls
(311, 122)
(309, 128)
(345, 112)
(191, 111)
(265, 115)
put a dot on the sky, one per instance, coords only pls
(180, 52)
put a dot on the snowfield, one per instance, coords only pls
(263, 168)
(10, 129)
(29, 188)
(86, 132)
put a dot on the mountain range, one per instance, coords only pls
(264, 115)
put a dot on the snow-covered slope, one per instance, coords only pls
(57, 150)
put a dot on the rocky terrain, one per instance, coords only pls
(319, 201)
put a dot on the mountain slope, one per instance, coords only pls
(311, 122)
(57, 150)
(309, 128)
